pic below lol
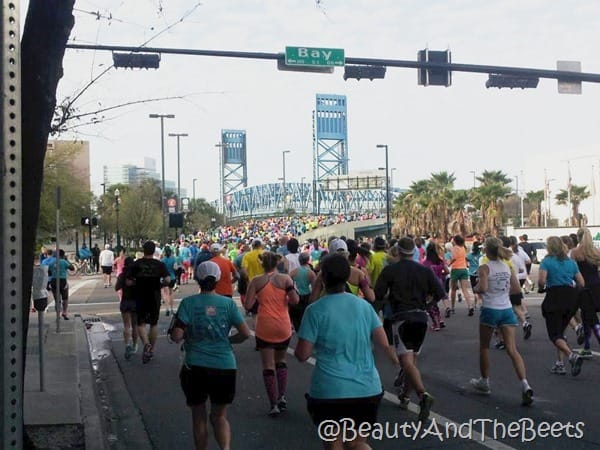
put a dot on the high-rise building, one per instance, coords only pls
(131, 174)
(77, 153)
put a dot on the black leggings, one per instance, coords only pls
(558, 308)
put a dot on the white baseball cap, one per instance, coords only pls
(208, 269)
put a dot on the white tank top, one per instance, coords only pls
(496, 296)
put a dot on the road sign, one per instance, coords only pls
(313, 56)
(569, 86)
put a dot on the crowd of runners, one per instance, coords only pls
(340, 298)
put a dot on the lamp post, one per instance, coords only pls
(103, 200)
(178, 136)
(387, 191)
(194, 188)
(162, 118)
(117, 201)
(283, 153)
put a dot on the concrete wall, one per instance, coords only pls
(340, 229)
(540, 234)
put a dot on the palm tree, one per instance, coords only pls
(488, 197)
(441, 192)
(535, 198)
(578, 194)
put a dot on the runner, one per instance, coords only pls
(63, 286)
(459, 273)
(125, 285)
(147, 273)
(408, 285)
(107, 259)
(496, 281)
(587, 258)
(304, 277)
(341, 329)
(274, 291)
(203, 322)
(167, 291)
(556, 277)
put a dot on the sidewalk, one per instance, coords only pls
(66, 414)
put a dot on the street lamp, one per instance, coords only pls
(104, 207)
(117, 201)
(283, 153)
(178, 135)
(387, 191)
(163, 203)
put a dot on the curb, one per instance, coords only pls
(90, 401)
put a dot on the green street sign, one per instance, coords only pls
(312, 56)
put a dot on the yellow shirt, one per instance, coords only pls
(252, 264)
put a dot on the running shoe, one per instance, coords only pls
(499, 345)
(452, 310)
(576, 362)
(479, 385)
(168, 313)
(471, 311)
(148, 354)
(558, 369)
(527, 316)
(399, 380)
(459, 298)
(527, 398)
(448, 312)
(425, 405)
(128, 351)
(404, 402)
(274, 411)
(586, 353)
(135, 347)
(526, 330)
(282, 403)
(442, 324)
(580, 334)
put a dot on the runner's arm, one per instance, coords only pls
(381, 340)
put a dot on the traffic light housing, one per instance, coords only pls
(358, 72)
(136, 60)
(94, 221)
(85, 221)
(435, 76)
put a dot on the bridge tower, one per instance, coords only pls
(330, 141)
(234, 168)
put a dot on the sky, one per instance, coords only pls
(461, 129)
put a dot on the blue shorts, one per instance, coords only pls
(497, 317)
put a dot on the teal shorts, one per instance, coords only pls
(497, 317)
(459, 274)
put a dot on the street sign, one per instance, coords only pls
(313, 56)
(171, 205)
(569, 86)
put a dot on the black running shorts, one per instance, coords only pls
(362, 409)
(199, 383)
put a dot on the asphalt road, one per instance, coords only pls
(564, 405)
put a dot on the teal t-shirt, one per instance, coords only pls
(340, 328)
(302, 280)
(170, 263)
(63, 265)
(560, 272)
(208, 319)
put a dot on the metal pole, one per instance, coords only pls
(178, 135)
(387, 191)
(162, 155)
(57, 299)
(521, 200)
(283, 153)
(41, 347)
(103, 224)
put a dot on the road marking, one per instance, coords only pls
(72, 291)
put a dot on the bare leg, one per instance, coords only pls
(411, 372)
(508, 334)
(221, 428)
(485, 335)
(200, 426)
(126, 316)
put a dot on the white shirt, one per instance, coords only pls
(519, 266)
(293, 262)
(107, 258)
(498, 289)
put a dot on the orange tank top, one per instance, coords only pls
(273, 319)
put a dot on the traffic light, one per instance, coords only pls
(136, 60)
(358, 72)
(85, 221)
(511, 81)
(436, 76)
(94, 221)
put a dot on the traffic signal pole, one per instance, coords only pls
(454, 67)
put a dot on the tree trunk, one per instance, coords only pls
(47, 27)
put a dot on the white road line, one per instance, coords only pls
(72, 291)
